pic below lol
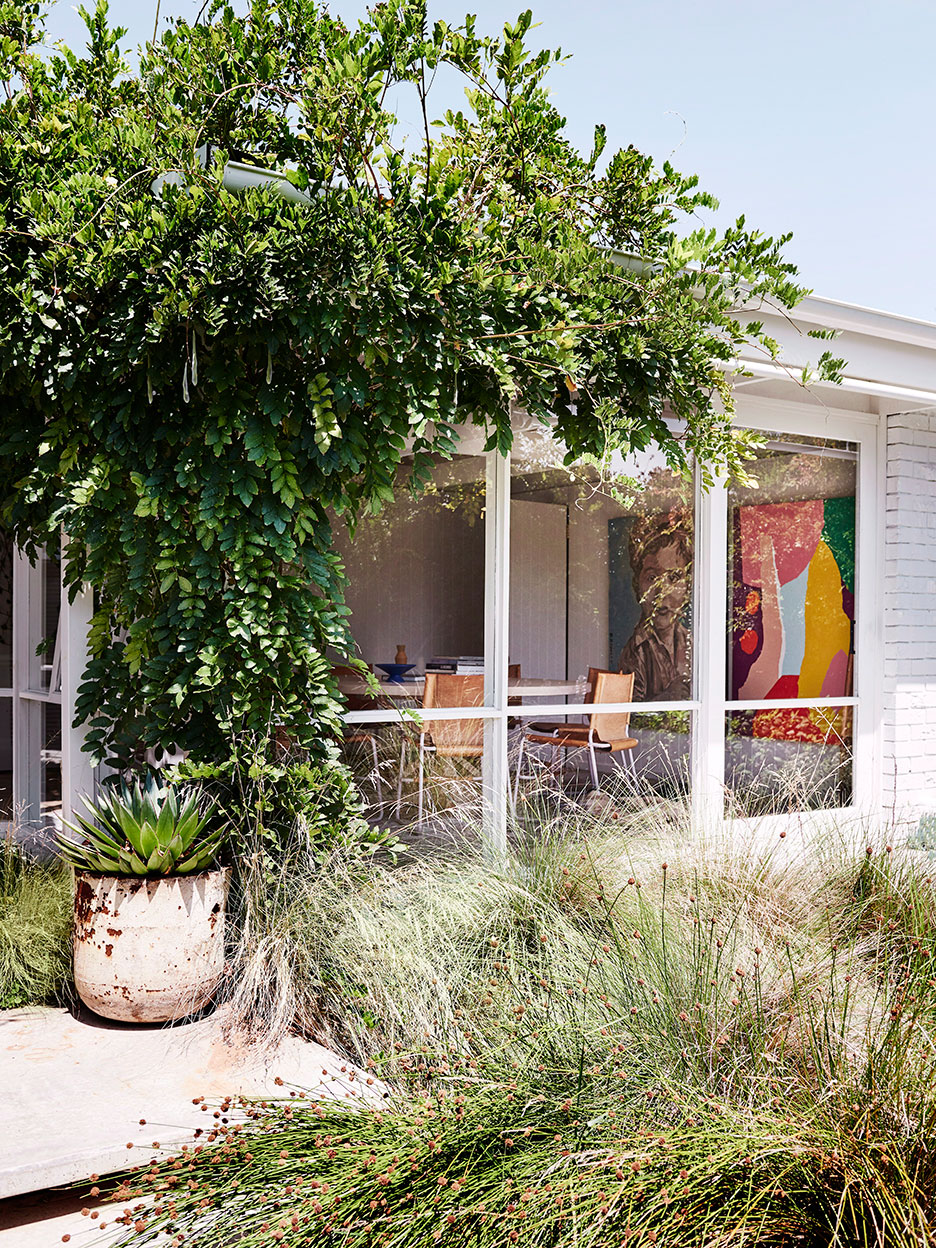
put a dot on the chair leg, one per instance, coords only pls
(593, 765)
(377, 782)
(626, 762)
(422, 764)
(399, 784)
(516, 784)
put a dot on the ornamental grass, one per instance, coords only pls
(627, 1034)
(35, 928)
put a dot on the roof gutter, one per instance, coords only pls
(237, 176)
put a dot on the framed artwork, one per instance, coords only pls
(792, 610)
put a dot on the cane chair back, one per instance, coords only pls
(611, 726)
(454, 738)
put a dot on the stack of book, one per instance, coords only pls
(465, 665)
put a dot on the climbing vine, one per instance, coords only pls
(195, 383)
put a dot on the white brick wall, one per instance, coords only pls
(910, 613)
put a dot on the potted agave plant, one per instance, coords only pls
(149, 902)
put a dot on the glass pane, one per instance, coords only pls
(6, 758)
(6, 612)
(555, 767)
(424, 783)
(416, 584)
(40, 616)
(787, 760)
(792, 574)
(600, 574)
(50, 793)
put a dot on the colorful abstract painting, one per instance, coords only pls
(793, 610)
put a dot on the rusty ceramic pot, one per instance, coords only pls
(149, 951)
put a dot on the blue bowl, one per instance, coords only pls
(396, 671)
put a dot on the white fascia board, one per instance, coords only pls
(831, 314)
(888, 356)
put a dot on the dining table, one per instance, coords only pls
(412, 688)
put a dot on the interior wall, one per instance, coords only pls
(416, 578)
(588, 585)
(538, 588)
(6, 662)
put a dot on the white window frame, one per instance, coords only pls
(792, 420)
(710, 704)
(71, 650)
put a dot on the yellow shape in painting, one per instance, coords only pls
(828, 628)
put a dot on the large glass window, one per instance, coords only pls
(416, 573)
(791, 630)
(598, 637)
(601, 568)
(601, 581)
(417, 593)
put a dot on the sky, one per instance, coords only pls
(810, 116)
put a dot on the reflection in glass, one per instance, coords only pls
(657, 765)
(788, 760)
(423, 778)
(50, 793)
(6, 758)
(416, 574)
(6, 612)
(601, 567)
(50, 659)
(792, 575)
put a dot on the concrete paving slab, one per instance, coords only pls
(48, 1219)
(80, 1096)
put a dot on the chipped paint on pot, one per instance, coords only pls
(149, 951)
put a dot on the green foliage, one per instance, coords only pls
(35, 929)
(144, 829)
(195, 383)
(274, 804)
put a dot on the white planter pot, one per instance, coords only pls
(149, 951)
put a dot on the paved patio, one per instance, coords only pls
(81, 1096)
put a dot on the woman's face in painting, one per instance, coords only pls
(663, 586)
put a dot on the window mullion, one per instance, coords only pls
(711, 580)
(494, 768)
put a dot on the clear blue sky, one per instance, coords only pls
(814, 116)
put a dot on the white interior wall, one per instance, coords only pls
(538, 588)
(416, 578)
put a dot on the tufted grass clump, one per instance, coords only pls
(35, 928)
(626, 1034)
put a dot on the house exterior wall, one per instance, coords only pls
(909, 727)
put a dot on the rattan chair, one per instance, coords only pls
(551, 726)
(606, 731)
(446, 738)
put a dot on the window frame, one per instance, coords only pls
(792, 420)
(709, 705)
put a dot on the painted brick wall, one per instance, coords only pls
(910, 614)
